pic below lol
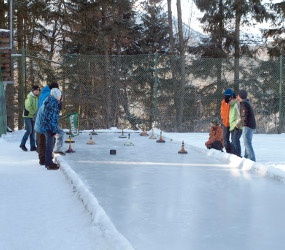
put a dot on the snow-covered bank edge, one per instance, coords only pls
(242, 163)
(99, 217)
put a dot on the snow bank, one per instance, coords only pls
(272, 171)
(99, 217)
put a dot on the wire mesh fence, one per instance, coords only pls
(142, 91)
(3, 113)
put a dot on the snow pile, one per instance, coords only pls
(274, 171)
(99, 217)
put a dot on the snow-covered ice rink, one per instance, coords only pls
(160, 199)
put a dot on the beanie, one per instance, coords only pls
(228, 92)
(55, 93)
(53, 85)
(35, 87)
(242, 94)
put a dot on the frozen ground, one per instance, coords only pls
(147, 196)
(159, 199)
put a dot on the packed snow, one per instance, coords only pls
(146, 196)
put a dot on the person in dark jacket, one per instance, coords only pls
(49, 125)
(248, 123)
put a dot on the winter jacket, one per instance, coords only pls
(44, 94)
(31, 105)
(225, 113)
(235, 120)
(247, 115)
(49, 116)
(39, 119)
(216, 134)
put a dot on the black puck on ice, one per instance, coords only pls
(112, 151)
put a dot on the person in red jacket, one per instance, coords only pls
(215, 136)
(225, 113)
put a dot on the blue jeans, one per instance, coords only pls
(59, 140)
(30, 132)
(247, 134)
(49, 148)
(226, 138)
(236, 134)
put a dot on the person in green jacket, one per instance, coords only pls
(31, 107)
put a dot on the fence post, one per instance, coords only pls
(3, 111)
(155, 88)
(280, 95)
(23, 78)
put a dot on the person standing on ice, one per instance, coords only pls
(225, 113)
(249, 124)
(49, 125)
(41, 137)
(235, 125)
(215, 140)
(31, 107)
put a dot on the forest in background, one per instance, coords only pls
(107, 31)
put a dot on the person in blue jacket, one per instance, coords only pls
(41, 141)
(48, 118)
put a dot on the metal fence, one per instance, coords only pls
(3, 113)
(141, 91)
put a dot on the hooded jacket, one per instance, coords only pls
(225, 113)
(235, 120)
(216, 134)
(31, 105)
(44, 94)
(48, 116)
(247, 115)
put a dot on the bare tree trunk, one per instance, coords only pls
(107, 79)
(237, 50)
(21, 89)
(3, 23)
(182, 69)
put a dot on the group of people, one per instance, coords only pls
(41, 115)
(237, 120)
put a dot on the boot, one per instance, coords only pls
(52, 166)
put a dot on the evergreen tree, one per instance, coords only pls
(232, 16)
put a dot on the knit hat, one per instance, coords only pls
(35, 87)
(55, 93)
(215, 121)
(228, 92)
(242, 94)
(53, 85)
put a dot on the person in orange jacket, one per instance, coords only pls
(215, 140)
(225, 113)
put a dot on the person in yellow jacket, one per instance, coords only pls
(31, 107)
(225, 116)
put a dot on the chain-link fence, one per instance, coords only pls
(141, 91)
(3, 113)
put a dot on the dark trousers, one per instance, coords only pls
(49, 148)
(236, 134)
(218, 145)
(226, 138)
(41, 139)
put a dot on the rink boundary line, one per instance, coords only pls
(154, 163)
(99, 217)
